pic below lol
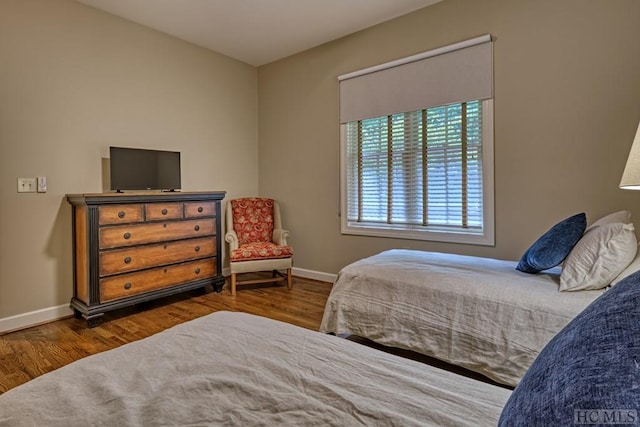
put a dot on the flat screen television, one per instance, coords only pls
(142, 169)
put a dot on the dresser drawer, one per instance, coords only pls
(124, 285)
(120, 214)
(141, 257)
(129, 235)
(198, 209)
(160, 211)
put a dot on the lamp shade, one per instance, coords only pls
(631, 175)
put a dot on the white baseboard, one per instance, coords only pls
(315, 275)
(33, 318)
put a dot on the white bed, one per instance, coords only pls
(238, 369)
(478, 313)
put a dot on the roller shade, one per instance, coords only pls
(452, 74)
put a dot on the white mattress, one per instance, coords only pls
(243, 370)
(474, 312)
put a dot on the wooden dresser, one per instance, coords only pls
(135, 247)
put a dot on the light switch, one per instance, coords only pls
(42, 184)
(26, 185)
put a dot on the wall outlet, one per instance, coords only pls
(42, 184)
(26, 185)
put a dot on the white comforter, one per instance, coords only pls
(478, 313)
(236, 369)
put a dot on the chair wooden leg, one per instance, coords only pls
(233, 284)
(289, 281)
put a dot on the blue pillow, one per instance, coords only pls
(554, 245)
(589, 373)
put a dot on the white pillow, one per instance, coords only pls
(599, 257)
(620, 216)
(632, 268)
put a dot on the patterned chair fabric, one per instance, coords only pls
(256, 239)
(253, 219)
(260, 250)
(253, 224)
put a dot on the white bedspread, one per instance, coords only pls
(474, 312)
(236, 369)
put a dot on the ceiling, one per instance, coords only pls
(258, 31)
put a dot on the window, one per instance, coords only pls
(422, 173)
(418, 174)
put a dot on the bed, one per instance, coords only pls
(238, 369)
(478, 313)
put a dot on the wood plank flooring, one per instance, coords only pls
(29, 353)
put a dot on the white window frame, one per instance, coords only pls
(485, 237)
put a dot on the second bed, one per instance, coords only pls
(478, 313)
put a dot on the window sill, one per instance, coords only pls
(480, 237)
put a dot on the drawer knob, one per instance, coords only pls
(200, 209)
(127, 235)
(127, 285)
(127, 260)
(197, 271)
(164, 211)
(197, 248)
(121, 214)
(197, 228)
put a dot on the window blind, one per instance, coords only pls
(463, 72)
(416, 169)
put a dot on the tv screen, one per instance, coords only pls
(141, 169)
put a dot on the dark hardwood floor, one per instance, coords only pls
(29, 353)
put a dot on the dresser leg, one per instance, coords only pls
(94, 321)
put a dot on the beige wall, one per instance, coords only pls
(567, 105)
(73, 81)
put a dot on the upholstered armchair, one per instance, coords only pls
(257, 242)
